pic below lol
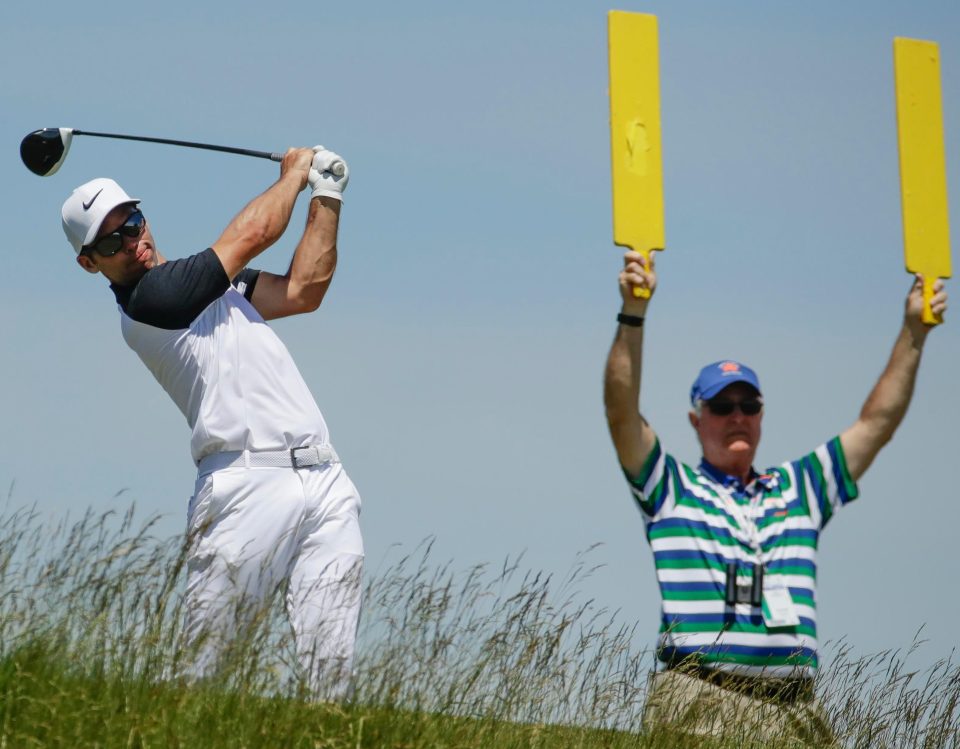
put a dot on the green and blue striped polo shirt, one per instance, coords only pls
(694, 535)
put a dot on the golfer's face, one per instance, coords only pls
(136, 256)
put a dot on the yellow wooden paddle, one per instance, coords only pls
(923, 170)
(636, 162)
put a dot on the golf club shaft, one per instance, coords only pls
(189, 144)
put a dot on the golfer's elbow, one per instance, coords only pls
(307, 297)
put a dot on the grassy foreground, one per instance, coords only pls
(90, 656)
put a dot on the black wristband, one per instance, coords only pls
(633, 321)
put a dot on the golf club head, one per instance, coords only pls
(43, 151)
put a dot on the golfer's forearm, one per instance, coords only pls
(261, 223)
(268, 215)
(315, 259)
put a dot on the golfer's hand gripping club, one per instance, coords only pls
(328, 175)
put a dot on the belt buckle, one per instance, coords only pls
(293, 457)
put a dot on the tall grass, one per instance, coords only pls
(490, 656)
(880, 700)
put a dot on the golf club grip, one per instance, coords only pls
(338, 168)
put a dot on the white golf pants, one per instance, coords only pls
(254, 530)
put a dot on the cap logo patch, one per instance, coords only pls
(87, 204)
(729, 367)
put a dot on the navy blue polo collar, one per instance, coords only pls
(729, 481)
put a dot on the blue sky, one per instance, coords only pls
(458, 357)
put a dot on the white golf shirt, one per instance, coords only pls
(224, 367)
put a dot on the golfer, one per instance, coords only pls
(735, 548)
(272, 508)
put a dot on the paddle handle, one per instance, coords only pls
(928, 317)
(639, 293)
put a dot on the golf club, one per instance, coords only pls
(43, 151)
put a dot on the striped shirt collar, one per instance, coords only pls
(728, 481)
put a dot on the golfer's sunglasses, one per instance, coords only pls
(112, 243)
(724, 407)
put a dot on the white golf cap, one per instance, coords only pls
(88, 206)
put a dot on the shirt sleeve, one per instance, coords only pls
(822, 481)
(172, 295)
(245, 281)
(651, 489)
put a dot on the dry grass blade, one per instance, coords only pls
(91, 655)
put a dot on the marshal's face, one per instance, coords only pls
(731, 439)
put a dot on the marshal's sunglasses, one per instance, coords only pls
(111, 244)
(724, 407)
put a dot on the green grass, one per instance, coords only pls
(91, 656)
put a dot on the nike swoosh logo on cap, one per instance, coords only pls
(86, 206)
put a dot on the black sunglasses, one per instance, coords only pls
(112, 243)
(724, 407)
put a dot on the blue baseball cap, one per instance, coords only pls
(715, 377)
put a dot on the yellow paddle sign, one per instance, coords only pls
(636, 162)
(923, 167)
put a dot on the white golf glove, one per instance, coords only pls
(328, 174)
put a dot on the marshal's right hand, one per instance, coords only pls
(636, 274)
